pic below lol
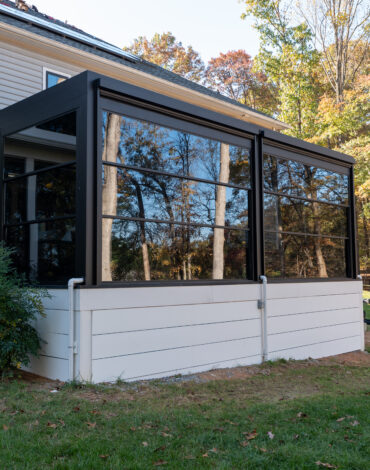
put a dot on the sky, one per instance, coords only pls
(210, 26)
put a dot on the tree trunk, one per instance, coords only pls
(319, 256)
(109, 191)
(144, 245)
(219, 235)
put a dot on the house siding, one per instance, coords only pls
(21, 73)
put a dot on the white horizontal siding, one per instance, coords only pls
(183, 360)
(21, 74)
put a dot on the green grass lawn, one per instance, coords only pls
(287, 416)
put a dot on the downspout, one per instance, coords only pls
(263, 307)
(71, 347)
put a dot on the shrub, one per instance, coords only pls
(20, 305)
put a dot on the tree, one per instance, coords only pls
(341, 30)
(232, 75)
(289, 61)
(164, 50)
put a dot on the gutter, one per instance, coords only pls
(72, 347)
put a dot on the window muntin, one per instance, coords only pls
(177, 196)
(40, 205)
(305, 220)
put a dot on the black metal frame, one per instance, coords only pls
(89, 93)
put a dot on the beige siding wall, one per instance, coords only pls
(21, 73)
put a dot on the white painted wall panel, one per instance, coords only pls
(303, 321)
(96, 299)
(55, 321)
(321, 303)
(308, 289)
(290, 340)
(185, 360)
(120, 344)
(56, 345)
(51, 367)
(324, 349)
(131, 319)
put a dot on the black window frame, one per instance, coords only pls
(85, 94)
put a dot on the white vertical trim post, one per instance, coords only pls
(71, 346)
(264, 319)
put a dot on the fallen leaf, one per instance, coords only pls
(296, 436)
(51, 425)
(145, 444)
(62, 422)
(250, 435)
(244, 443)
(219, 429)
(301, 415)
(159, 448)
(214, 450)
(103, 456)
(91, 425)
(189, 457)
(164, 434)
(205, 455)
(76, 409)
(355, 423)
(262, 449)
(160, 462)
(324, 464)
(5, 427)
(339, 420)
(132, 428)
(270, 435)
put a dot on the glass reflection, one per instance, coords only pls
(142, 144)
(296, 179)
(294, 215)
(161, 197)
(45, 249)
(293, 256)
(139, 251)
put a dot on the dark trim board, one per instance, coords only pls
(89, 93)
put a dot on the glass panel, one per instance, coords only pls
(295, 215)
(138, 251)
(153, 196)
(293, 256)
(52, 142)
(52, 251)
(17, 238)
(55, 192)
(296, 179)
(53, 79)
(16, 201)
(142, 144)
(13, 166)
(43, 196)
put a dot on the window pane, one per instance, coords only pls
(53, 79)
(295, 215)
(293, 256)
(131, 193)
(146, 145)
(52, 142)
(42, 196)
(296, 179)
(13, 166)
(17, 238)
(134, 251)
(16, 201)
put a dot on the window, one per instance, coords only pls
(305, 220)
(174, 203)
(52, 78)
(40, 206)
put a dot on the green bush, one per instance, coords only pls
(20, 305)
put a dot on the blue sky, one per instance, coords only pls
(210, 26)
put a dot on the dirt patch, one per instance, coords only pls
(354, 359)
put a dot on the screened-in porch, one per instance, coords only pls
(171, 216)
